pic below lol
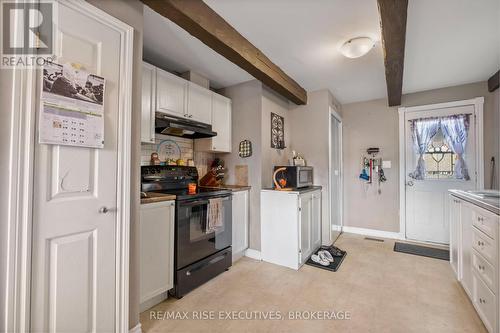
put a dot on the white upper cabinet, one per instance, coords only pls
(221, 123)
(199, 103)
(148, 106)
(171, 94)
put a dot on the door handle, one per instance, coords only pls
(409, 183)
(104, 210)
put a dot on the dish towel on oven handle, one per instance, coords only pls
(214, 216)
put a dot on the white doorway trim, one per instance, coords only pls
(333, 113)
(478, 103)
(20, 188)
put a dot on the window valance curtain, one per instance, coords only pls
(455, 130)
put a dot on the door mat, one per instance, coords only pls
(337, 259)
(423, 251)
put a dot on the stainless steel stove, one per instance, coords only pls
(200, 254)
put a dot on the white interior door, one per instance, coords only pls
(335, 178)
(74, 266)
(426, 200)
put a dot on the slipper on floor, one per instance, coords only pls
(325, 255)
(317, 259)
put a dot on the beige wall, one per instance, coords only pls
(310, 138)
(372, 123)
(130, 12)
(271, 102)
(246, 123)
(252, 105)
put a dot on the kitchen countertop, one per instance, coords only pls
(299, 190)
(488, 203)
(234, 188)
(156, 197)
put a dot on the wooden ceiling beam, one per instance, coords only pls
(494, 82)
(393, 15)
(202, 22)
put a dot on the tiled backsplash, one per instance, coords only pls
(202, 160)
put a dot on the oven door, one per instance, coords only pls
(193, 241)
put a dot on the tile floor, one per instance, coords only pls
(381, 290)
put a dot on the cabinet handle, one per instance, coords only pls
(190, 116)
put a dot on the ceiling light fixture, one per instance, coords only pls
(357, 47)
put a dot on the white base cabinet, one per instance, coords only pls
(475, 257)
(240, 223)
(156, 252)
(290, 226)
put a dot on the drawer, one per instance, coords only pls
(486, 222)
(484, 270)
(485, 246)
(484, 302)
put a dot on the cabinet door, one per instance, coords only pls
(147, 105)
(157, 249)
(485, 303)
(221, 123)
(199, 105)
(171, 92)
(466, 249)
(240, 221)
(316, 220)
(455, 226)
(305, 206)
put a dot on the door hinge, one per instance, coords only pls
(300, 209)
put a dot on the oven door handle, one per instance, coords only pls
(194, 203)
(213, 261)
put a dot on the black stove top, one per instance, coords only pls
(201, 193)
(175, 180)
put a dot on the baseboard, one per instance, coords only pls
(136, 329)
(254, 254)
(374, 233)
(155, 300)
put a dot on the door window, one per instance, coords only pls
(439, 159)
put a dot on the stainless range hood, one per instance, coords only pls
(168, 125)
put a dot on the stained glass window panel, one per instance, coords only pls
(439, 159)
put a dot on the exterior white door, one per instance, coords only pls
(78, 193)
(427, 200)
